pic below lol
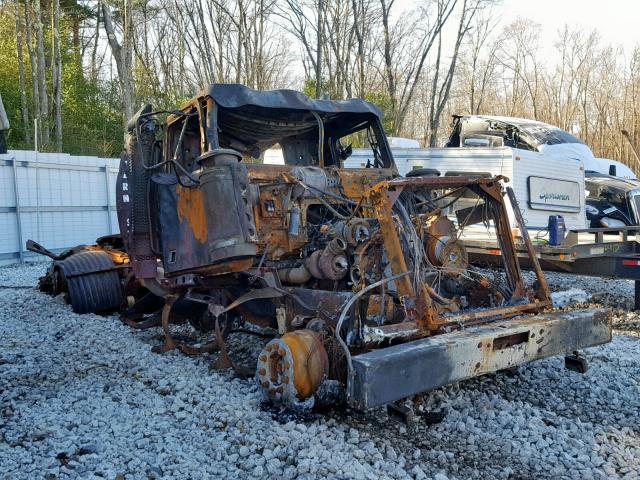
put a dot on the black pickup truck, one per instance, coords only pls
(611, 201)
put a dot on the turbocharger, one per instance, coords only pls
(330, 263)
(327, 264)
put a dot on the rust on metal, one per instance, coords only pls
(543, 290)
(191, 209)
(292, 367)
(417, 303)
(340, 263)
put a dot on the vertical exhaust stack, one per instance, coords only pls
(132, 193)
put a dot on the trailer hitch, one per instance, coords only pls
(576, 362)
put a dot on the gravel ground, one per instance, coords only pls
(84, 397)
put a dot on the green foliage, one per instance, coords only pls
(383, 102)
(380, 99)
(309, 88)
(91, 112)
(91, 115)
(9, 79)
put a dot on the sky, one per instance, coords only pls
(617, 21)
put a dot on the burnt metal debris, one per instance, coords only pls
(360, 272)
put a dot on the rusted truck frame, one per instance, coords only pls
(360, 272)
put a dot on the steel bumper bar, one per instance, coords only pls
(392, 373)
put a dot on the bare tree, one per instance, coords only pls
(518, 55)
(301, 20)
(441, 88)
(404, 60)
(96, 39)
(420, 65)
(572, 74)
(358, 29)
(481, 63)
(319, 47)
(122, 54)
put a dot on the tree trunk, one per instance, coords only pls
(358, 18)
(57, 75)
(127, 47)
(37, 112)
(319, 47)
(261, 74)
(21, 79)
(239, 46)
(122, 56)
(434, 88)
(443, 94)
(445, 8)
(94, 50)
(388, 67)
(42, 73)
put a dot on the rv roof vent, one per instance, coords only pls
(476, 142)
(473, 139)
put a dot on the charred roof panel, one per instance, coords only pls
(251, 121)
(235, 96)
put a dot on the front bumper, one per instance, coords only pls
(388, 374)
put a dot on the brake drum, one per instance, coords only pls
(292, 367)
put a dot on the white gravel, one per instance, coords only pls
(84, 397)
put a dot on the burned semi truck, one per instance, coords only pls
(358, 273)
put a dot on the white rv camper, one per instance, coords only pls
(544, 184)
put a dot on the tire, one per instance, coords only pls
(423, 172)
(92, 282)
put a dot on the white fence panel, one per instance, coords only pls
(56, 199)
